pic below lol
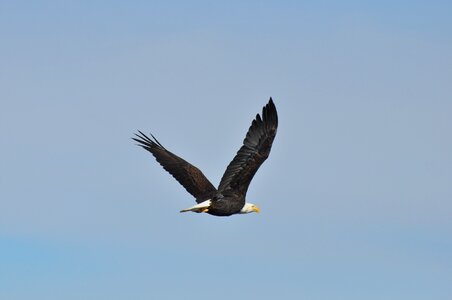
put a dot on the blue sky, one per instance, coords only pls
(355, 198)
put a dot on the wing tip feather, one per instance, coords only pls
(146, 142)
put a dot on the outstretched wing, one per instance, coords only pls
(190, 177)
(255, 150)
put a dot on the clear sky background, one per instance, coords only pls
(356, 197)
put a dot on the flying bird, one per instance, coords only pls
(229, 197)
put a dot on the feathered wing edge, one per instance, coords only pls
(255, 150)
(189, 176)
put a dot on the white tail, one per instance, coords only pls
(199, 208)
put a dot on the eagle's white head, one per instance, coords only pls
(249, 208)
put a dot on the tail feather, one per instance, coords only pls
(198, 208)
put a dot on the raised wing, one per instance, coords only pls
(190, 177)
(255, 150)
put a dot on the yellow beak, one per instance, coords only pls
(255, 209)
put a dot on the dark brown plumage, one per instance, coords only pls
(229, 198)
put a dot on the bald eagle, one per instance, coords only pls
(229, 198)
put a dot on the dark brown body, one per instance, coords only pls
(226, 206)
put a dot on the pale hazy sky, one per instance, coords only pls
(356, 197)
